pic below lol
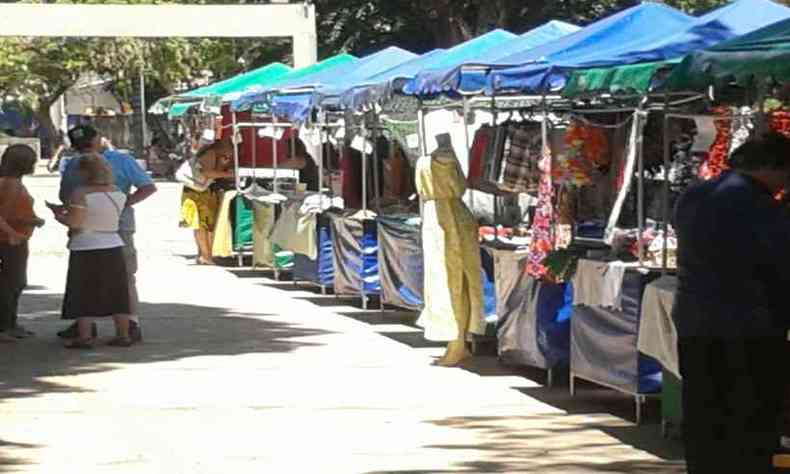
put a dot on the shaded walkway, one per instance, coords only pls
(239, 374)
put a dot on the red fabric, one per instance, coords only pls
(780, 122)
(716, 162)
(263, 151)
(351, 168)
(477, 153)
(486, 231)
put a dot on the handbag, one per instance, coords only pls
(190, 175)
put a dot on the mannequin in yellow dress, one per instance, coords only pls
(453, 293)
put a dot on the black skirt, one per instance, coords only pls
(97, 285)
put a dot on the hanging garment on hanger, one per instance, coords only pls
(223, 232)
(521, 173)
(542, 238)
(492, 167)
(716, 162)
(477, 155)
(263, 215)
(584, 148)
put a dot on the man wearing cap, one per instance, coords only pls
(127, 174)
(731, 310)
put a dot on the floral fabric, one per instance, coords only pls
(716, 163)
(585, 149)
(542, 240)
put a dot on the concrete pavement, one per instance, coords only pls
(241, 374)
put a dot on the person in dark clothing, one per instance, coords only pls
(731, 310)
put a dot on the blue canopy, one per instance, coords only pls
(476, 49)
(293, 101)
(744, 16)
(367, 68)
(645, 33)
(471, 76)
(309, 74)
(619, 35)
(382, 85)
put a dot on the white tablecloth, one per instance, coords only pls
(658, 337)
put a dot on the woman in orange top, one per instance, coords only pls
(17, 221)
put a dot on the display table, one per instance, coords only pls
(534, 316)
(604, 339)
(401, 263)
(658, 339)
(319, 270)
(355, 256)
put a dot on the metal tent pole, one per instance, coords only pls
(364, 134)
(665, 202)
(494, 195)
(376, 178)
(468, 141)
(276, 190)
(640, 190)
(237, 177)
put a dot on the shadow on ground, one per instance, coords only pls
(608, 413)
(173, 331)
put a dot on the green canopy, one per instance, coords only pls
(180, 108)
(222, 91)
(238, 84)
(764, 53)
(631, 78)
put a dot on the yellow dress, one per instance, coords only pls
(453, 293)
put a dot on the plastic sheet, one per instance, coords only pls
(604, 343)
(355, 255)
(534, 316)
(320, 271)
(401, 263)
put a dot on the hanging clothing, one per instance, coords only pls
(453, 292)
(542, 238)
(779, 122)
(492, 162)
(584, 149)
(716, 163)
(477, 155)
(296, 231)
(263, 222)
(223, 232)
(521, 173)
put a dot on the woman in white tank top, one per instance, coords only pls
(97, 284)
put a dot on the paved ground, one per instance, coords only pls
(240, 374)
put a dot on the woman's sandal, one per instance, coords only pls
(121, 342)
(79, 344)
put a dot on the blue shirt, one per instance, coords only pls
(126, 172)
(733, 260)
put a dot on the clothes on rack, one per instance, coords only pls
(505, 158)
(582, 150)
(542, 237)
(296, 232)
(716, 162)
(263, 223)
(223, 232)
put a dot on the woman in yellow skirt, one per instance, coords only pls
(199, 208)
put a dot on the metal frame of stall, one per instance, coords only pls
(363, 129)
(236, 127)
